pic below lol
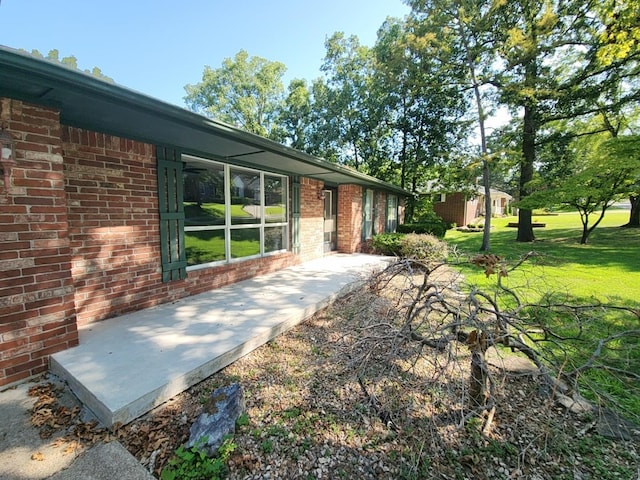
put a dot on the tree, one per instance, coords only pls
(70, 61)
(628, 149)
(554, 70)
(352, 100)
(461, 32)
(295, 116)
(245, 91)
(423, 107)
(603, 174)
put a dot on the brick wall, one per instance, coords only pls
(203, 280)
(349, 218)
(111, 187)
(453, 209)
(311, 219)
(36, 290)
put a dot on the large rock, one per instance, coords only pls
(221, 411)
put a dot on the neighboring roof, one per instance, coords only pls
(494, 193)
(85, 101)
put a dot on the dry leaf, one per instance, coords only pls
(38, 457)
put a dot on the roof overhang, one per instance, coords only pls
(87, 102)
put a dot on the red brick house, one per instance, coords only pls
(462, 209)
(118, 202)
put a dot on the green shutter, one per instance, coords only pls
(295, 214)
(170, 204)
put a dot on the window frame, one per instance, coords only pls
(392, 206)
(228, 226)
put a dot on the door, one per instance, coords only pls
(330, 220)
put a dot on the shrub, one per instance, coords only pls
(429, 223)
(424, 247)
(423, 228)
(388, 244)
(194, 464)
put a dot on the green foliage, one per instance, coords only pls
(71, 61)
(245, 91)
(194, 464)
(427, 223)
(604, 172)
(388, 244)
(424, 247)
(243, 420)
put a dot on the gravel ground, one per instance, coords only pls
(317, 411)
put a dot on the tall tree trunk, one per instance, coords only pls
(486, 182)
(525, 228)
(634, 215)
(486, 177)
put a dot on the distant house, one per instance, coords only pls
(462, 208)
(115, 201)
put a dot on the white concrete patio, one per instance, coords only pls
(128, 365)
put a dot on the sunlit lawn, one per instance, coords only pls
(605, 270)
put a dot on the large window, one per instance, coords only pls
(232, 212)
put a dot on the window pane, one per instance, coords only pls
(367, 226)
(275, 238)
(392, 213)
(245, 197)
(275, 200)
(245, 242)
(204, 194)
(204, 246)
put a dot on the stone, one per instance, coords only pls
(221, 411)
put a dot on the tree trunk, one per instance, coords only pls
(477, 343)
(634, 215)
(525, 228)
(585, 234)
(486, 235)
(470, 58)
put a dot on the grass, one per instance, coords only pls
(607, 270)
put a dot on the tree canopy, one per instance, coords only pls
(245, 91)
(70, 61)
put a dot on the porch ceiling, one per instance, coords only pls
(87, 102)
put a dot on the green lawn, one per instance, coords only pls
(606, 270)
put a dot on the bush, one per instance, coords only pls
(388, 244)
(424, 247)
(194, 464)
(424, 228)
(429, 223)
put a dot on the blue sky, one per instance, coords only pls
(158, 47)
